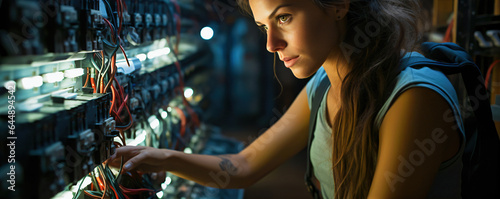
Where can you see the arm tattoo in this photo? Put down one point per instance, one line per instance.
(227, 166)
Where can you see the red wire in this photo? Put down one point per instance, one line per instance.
(488, 74)
(183, 120)
(119, 9)
(111, 28)
(87, 81)
(121, 106)
(90, 195)
(125, 55)
(131, 120)
(100, 183)
(114, 191)
(447, 36)
(113, 97)
(92, 83)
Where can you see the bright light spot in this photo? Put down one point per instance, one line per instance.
(158, 52)
(169, 109)
(206, 33)
(30, 82)
(164, 186)
(153, 122)
(140, 137)
(72, 73)
(168, 180)
(10, 84)
(63, 195)
(84, 183)
(142, 57)
(188, 150)
(164, 114)
(188, 92)
(159, 194)
(53, 77)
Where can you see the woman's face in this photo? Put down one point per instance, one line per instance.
(303, 34)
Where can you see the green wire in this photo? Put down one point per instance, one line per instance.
(78, 191)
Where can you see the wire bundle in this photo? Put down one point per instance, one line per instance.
(105, 185)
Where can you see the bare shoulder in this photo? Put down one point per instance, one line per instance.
(414, 139)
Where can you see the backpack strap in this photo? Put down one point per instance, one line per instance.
(480, 159)
(316, 102)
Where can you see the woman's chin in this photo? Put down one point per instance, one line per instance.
(301, 74)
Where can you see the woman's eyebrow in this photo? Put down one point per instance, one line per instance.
(274, 12)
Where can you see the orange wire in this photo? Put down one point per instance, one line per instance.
(90, 195)
(113, 189)
(105, 184)
(488, 74)
(125, 55)
(113, 97)
(87, 81)
(447, 35)
(93, 84)
(112, 72)
(100, 183)
(183, 120)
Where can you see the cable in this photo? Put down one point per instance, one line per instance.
(78, 190)
(488, 74)
(447, 35)
(87, 80)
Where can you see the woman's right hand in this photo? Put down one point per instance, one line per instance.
(141, 158)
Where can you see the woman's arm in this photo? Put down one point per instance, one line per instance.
(276, 145)
(414, 139)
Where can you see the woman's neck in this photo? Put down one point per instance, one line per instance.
(336, 69)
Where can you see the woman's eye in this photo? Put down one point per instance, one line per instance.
(283, 18)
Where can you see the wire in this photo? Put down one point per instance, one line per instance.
(93, 84)
(87, 80)
(113, 97)
(488, 74)
(447, 35)
(78, 190)
(125, 55)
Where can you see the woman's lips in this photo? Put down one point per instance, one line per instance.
(290, 61)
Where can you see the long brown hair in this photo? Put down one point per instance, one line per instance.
(391, 27)
(378, 33)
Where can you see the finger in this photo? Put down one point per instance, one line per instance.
(117, 162)
(134, 162)
(126, 152)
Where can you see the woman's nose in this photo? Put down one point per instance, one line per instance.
(275, 41)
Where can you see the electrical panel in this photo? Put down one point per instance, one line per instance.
(79, 78)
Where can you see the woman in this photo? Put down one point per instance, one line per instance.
(381, 133)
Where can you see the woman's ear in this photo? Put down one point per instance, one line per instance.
(341, 8)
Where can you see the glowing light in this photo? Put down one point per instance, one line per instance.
(140, 137)
(164, 185)
(188, 150)
(169, 109)
(188, 92)
(164, 114)
(168, 180)
(10, 85)
(63, 195)
(153, 122)
(141, 57)
(85, 182)
(72, 73)
(30, 82)
(207, 33)
(158, 52)
(159, 194)
(53, 77)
